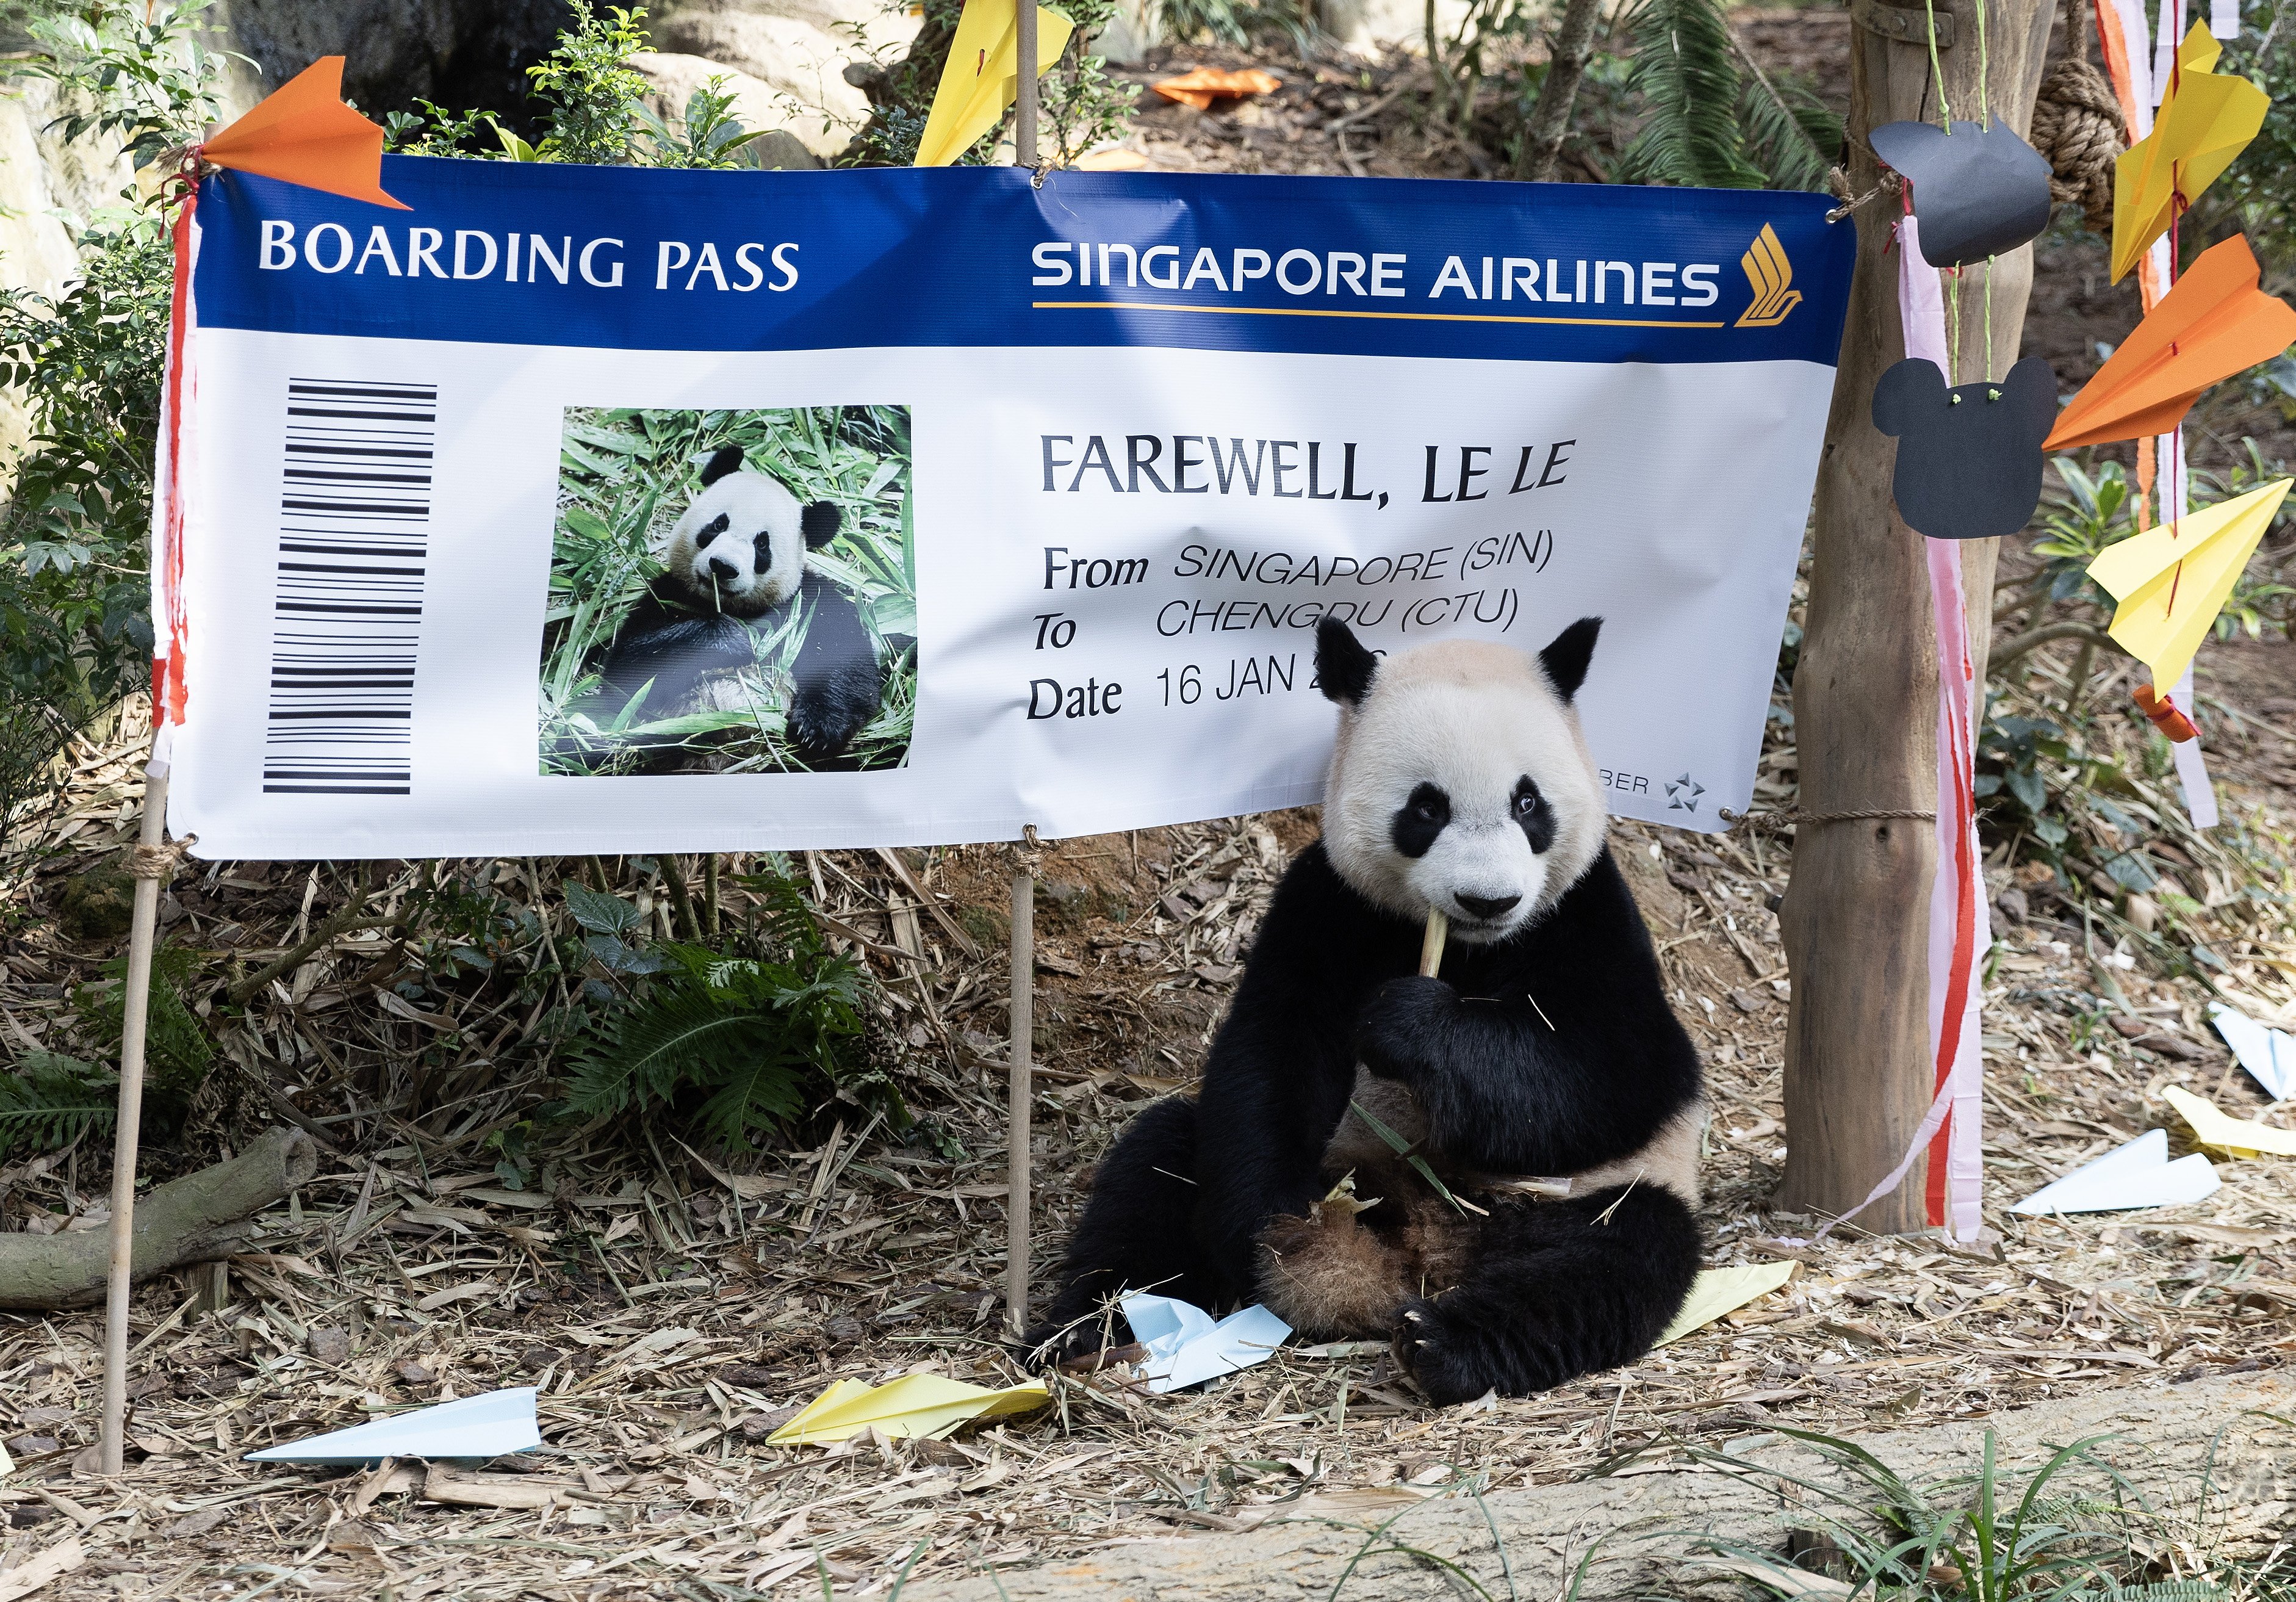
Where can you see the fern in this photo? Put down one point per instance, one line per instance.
(51, 1101)
(1688, 78)
(1786, 134)
(1707, 124)
(761, 1029)
(176, 1052)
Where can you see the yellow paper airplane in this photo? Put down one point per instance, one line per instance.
(915, 1405)
(1719, 1291)
(2205, 121)
(981, 79)
(2241, 1136)
(2172, 579)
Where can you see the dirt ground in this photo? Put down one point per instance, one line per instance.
(672, 1313)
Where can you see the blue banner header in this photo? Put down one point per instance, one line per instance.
(526, 253)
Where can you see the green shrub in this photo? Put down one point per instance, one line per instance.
(51, 1101)
(739, 1041)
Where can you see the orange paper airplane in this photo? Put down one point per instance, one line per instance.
(2214, 324)
(2206, 119)
(304, 133)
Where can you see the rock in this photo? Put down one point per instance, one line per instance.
(757, 1426)
(2014, 905)
(97, 904)
(412, 1372)
(801, 53)
(331, 1346)
(2143, 912)
(457, 53)
(674, 78)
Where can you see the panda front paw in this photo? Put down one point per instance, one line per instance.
(826, 717)
(1393, 1035)
(1444, 1361)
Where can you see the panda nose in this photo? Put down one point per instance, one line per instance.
(1486, 906)
(723, 571)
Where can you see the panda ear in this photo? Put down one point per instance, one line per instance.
(726, 461)
(1566, 657)
(1342, 666)
(820, 522)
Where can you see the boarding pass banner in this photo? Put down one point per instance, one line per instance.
(584, 509)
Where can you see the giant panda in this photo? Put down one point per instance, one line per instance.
(1541, 1073)
(736, 558)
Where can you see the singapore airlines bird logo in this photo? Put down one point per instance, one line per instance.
(1770, 275)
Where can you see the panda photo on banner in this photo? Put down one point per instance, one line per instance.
(731, 592)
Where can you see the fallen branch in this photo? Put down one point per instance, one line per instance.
(196, 1218)
(344, 917)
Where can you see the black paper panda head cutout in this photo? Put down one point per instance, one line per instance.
(1968, 457)
(1977, 191)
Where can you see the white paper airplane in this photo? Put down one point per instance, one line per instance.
(2138, 1174)
(477, 1426)
(2270, 1055)
(1186, 1348)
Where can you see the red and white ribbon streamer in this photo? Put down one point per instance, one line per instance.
(177, 383)
(1960, 932)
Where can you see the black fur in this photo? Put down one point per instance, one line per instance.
(1424, 816)
(1343, 667)
(1332, 980)
(1567, 654)
(728, 458)
(1533, 813)
(1555, 1290)
(819, 523)
(666, 640)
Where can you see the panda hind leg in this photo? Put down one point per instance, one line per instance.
(1135, 1235)
(1552, 1291)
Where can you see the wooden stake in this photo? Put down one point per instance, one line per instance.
(1430, 947)
(1017, 1120)
(1024, 91)
(136, 1012)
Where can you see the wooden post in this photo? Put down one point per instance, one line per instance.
(136, 1005)
(1859, 1071)
(1024, 87)
(1017, 1053)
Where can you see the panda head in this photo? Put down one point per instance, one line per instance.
(1460, 781)
(740, 545)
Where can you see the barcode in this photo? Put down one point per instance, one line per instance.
(354, 531)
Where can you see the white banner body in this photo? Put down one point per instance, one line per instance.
(1072, 473)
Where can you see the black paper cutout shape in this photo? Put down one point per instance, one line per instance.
(1969, 458)
(1978, 191)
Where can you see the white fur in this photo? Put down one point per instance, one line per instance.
(727, 565)
(1472, 719)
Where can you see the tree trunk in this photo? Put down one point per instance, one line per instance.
(1858, 1072)
(1558, 92)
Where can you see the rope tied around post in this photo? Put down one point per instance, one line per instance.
(1778, 823)
(160, 861)
(2078, 126)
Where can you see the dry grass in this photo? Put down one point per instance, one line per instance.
(671, 1312)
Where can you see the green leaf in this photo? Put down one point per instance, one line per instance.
(599, 912)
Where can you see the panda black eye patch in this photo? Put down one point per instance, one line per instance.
(1532, 812)
(1419, 820)
(764, 544)
(709, 531)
